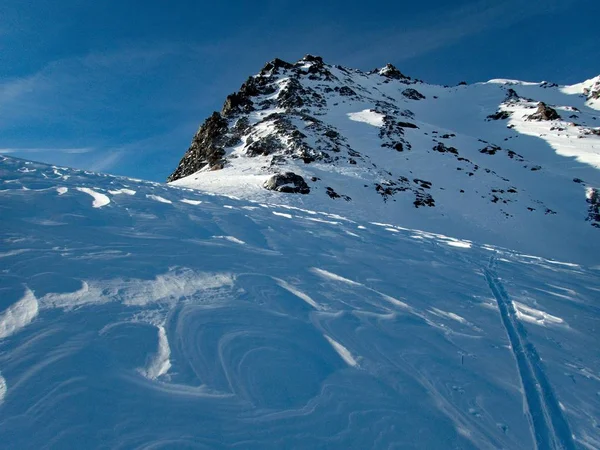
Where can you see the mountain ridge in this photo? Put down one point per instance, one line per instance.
(475, 159)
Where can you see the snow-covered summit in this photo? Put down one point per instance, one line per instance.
(496, 161)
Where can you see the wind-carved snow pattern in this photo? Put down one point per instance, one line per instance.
(308, 330)
(3, 388)
(100, 199)
(159, 364)
(18, 315)
(158, 198)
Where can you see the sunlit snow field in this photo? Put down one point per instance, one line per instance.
(136, 315)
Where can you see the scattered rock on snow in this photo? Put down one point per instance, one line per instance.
(287, 182)
(544, 112)
(412, 94)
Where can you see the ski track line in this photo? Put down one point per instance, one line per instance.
(549, 426)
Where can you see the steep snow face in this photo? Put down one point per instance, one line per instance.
(167, 317)
(475, 161)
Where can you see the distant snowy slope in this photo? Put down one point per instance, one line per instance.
(505, 161)
(138, 315)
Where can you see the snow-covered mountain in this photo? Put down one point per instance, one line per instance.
(141, 315)
(500, 162)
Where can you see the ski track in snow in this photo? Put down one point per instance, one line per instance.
(100, 200)
(549, 427)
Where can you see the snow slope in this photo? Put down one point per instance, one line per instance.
(465, 160)
(169, 318)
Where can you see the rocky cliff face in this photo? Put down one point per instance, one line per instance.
(383, 141)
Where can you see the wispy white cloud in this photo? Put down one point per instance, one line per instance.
(446, 26)
(78, 150)
(106, 161)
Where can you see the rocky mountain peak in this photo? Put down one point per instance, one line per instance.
(367, 139)
(390, 71)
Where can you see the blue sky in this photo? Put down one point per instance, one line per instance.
(121, 86)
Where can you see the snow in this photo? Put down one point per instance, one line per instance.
(297, 293)
(131, 325)
(367, 116)
(280, 214)
(158, 198)
(191, 202)
(18, 315)
(535, 316)
(121, 191)
(159, 364)
(342, 351)
(100, 199)
(332, 276)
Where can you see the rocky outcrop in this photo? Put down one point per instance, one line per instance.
(544, 112)
(412, 94)
(206, 148)
(389, 71)
(499, 115)
(593, 199)
(287, 182)
(593, 93)
(511, 96)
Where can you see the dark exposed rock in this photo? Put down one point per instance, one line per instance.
(264, 146)
(593, 199)
(490, 149)
(287, 182)
(407, 125)
(514, 155)
(423, 183)
(332, 194)
(240, 102)
(235, 103)
(272, 67)
(499, 115)
(544, 112)
(412, 94)
(312, 58)
(423, 199)
(547, 85)
(440, 147)
(206, 149)
(462, 83)
(594, 92)
(345, 91)
(389, 71)
(590, 131)
(511, 96)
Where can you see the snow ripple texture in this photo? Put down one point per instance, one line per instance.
(133, 326)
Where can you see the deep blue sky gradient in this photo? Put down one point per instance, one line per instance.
(121, 86)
